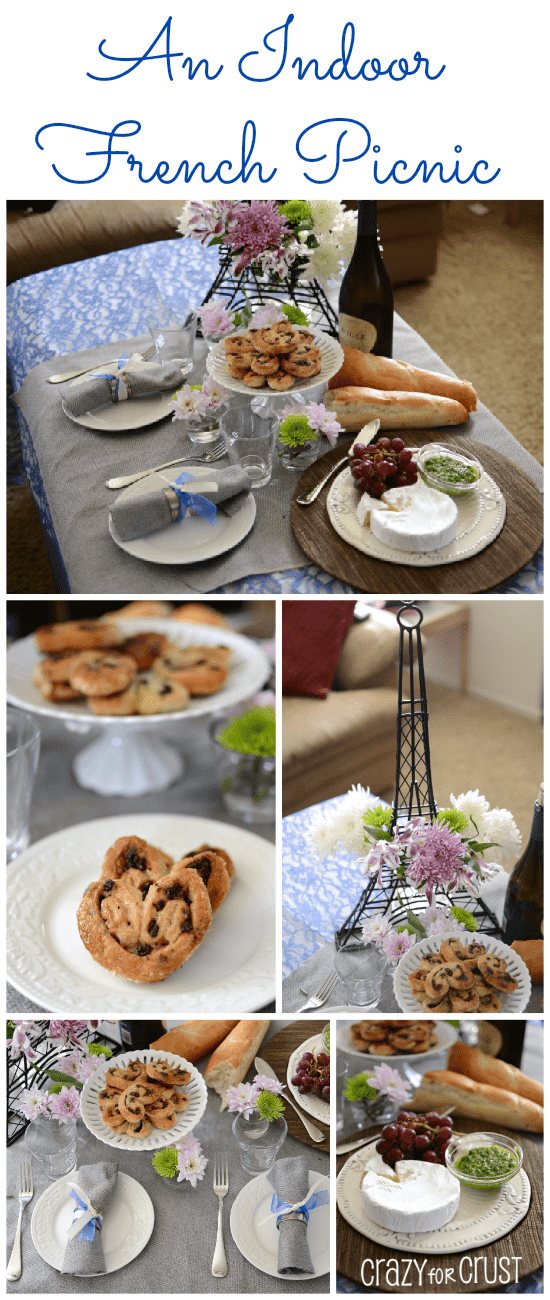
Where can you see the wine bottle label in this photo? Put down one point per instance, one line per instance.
(355, 333)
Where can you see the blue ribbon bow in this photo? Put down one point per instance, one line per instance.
(280, 1208)
(114, 379)
(201, 505)
(93, 1225)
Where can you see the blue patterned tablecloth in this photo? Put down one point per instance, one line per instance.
(107, 298)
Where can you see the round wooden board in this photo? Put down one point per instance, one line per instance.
(523, 1243)
(514, 547)
(277, 1052)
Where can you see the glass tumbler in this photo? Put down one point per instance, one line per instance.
(174, 340)
(52, 1144)
(249, 440)
(23, 749)
(360, 968)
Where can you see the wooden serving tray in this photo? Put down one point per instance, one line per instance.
(277, 1052)
(514, 547)
(524, 1243)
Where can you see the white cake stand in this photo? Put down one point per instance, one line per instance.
(129, 756)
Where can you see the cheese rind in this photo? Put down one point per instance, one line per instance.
(414, 518)
(422, 1198)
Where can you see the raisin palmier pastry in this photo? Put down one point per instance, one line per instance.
(102, 673)
(495, 972)
(464, 999)
(452, 949)
(86, 634)
(202, 670)
(214, 874)
(472, 952)
(209, 848)
(144, 648)
(237, 345)
(57, 692)
(430, 959)
(134, 858)
(145, 934)
(280, 383)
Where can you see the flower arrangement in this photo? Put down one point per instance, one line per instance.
(462, 848)
(252, 732)
(382, 1081)
(199, 400)
(311, 238)
(184, 1161)
(217, 319)
(79, 1060)
(298, 424)
(263, 1095)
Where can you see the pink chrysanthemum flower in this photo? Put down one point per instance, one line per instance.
(256, 228)
(436, 859)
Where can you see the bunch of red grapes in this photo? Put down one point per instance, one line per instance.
(382, 465)
(416, 1137)
(313, 1074)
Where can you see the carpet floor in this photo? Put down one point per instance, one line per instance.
(481, 311)
(475, 744)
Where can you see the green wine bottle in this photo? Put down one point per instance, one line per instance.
(523, 905)
(365, 307)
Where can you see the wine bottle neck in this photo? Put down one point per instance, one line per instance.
(367, 219)
(537, 825)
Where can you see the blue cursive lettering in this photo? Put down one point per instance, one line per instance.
(272, 49)
(426, 172)
(364, 138)
(167, 53)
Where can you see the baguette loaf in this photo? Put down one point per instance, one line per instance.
(531, 952)
(354, 407)
(195, 1038)
(487, 1069)
(440, 1089)
(230, 1062)
(363, 368)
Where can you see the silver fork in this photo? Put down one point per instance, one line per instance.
(127, 479)
(74, 374)
(25, 1195)
(221, 1188)
(323, 992)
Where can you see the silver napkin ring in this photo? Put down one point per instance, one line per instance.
(173, 501)
(293, 1214)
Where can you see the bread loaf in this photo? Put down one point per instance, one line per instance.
(440, 1089)
(531, 952)
(354, 407)
(231, 1060)
(487, 1069)
(194, 1038)
(364, 369)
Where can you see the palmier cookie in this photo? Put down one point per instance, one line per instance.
(163, 1119)
(58, 668)
(163, 1072)
(262, 364)
(303, 362)
(141, 609)
(57, 692)
(452, 949)
(280, 383)
(464, 999)
(209, 848)
(472, 952)
(140, 1128)
(122, 1077)
(495, 976)
(145, 936)
(139, 861)
(204, 676)
(213, 872)
(157, 695)
(277, 339)
(136, 1098)
(238, 367)
(144, 648)
(111, 1114)
(123, 705)
(254, 381)
(179, 1101)
(106, 673)
(85, 634)
(236, 345)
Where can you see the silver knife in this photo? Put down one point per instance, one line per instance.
(314, 1132)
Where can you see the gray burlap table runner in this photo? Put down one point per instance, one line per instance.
(74, 463)
(178, 1257)
(98, 1182)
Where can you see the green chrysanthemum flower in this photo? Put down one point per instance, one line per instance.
(270, 1105)
(251, 733)
(294, 314)
(166, 1162)
(460, 914)
(99, 1049)
(297, 212)
(378, 822)
(294, 430)
(358, 1088)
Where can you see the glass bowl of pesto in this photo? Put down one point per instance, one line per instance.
(483, 1161)
(449, 471)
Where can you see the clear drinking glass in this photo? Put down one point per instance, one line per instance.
(258, 1140)
(52, 1144)
(23, 749)
(360, 968)
(174, 340)
(341, 1080)
(249, 440)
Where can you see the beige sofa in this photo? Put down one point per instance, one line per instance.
(349, 737)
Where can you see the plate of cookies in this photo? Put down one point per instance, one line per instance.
(462, 974)
(384, 1039)
(279, 359)
(132, 670)
(143, 1100)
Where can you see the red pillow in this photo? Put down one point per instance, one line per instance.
(313, 632)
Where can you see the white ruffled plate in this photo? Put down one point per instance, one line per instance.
(128, 1223)
(309, 1101)
(195, 1090)
(191, 539)
(513, 1003)
(446, 1036)
(255, 1233)
(332, 358)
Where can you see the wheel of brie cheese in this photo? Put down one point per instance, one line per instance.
(413, 1197)
(413, 518)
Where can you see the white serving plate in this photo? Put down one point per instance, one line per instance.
(332, 358)
(446, 1036)
(513, 1003)
(195, 1090)
(481, 1217)
(128, 1224)
(255, 1233)
(309, 1101)
(192, 539)
(481, 517)
(233, 967)
(248, 670)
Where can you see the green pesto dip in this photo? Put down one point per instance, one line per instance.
(487, 1162)
(451, 470)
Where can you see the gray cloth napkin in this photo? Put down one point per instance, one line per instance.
(290, 1180)
(136, 381)
(99, 1181)
(138, 516)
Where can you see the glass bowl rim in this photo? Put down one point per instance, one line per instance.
(492, 1139)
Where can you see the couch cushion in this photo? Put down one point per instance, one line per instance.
(75, 229)
(328, 745)
(368, 651)
(312, 636)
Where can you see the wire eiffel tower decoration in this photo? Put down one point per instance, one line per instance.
(413, 797)
(237, 289)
